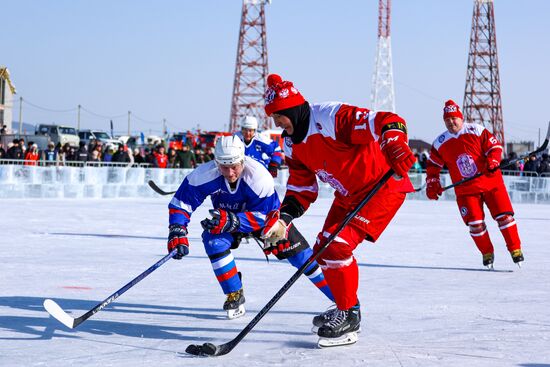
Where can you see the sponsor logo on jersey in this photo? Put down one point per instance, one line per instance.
(229, 206)
(441, 138)
(463, 211)
(466, 165)
(326, 177)
(318, 125)
(360, 127)
(288, 141)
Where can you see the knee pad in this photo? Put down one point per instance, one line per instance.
(505, 220)
(336, 255)
(477, 228)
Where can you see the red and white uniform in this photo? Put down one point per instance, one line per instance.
(342, 149)
(465, 154)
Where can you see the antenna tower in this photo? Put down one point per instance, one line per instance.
(251, 67)
(482, 101)
(383, 96)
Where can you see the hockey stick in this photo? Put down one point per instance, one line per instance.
(420, 188)
(209, 349)
(57, 312)
(158, 190)
(507, 164)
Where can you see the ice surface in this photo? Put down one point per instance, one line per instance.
(425, 298)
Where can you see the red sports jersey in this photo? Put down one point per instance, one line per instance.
(465, 154)
(342, 149)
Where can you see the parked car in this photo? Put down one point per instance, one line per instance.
(102, 136)
(59, 134)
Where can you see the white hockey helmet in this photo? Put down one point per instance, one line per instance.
(229, 150)
(249, 122)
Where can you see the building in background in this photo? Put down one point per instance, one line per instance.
(7, 90)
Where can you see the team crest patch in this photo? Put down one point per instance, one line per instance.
(326, 177)
(463, 211)
(466, 165)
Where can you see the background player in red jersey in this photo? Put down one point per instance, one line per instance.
(350, 148)
(467, 149)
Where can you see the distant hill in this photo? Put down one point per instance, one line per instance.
(27, 127)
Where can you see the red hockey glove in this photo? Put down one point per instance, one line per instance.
(492, 164)
(276, 248)
(177, 238)
(433, 188)
(273, 168)
(395, 148)
(221, 221)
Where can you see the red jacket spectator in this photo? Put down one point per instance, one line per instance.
(161, 158)
(32, 156)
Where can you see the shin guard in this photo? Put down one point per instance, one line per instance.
(478, 231)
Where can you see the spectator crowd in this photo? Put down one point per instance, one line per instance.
(97, 153)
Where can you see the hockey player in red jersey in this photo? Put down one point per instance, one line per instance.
(467, 149)
(350, 148)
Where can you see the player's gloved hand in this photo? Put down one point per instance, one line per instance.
(277, 248)
(433, 188)
(395, 148)
(273, 168)
(275, 230)
(492, 164)
(177, 239)
(221, 221)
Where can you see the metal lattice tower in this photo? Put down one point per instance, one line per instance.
(251, 68)
(482, 101)
(383, 95)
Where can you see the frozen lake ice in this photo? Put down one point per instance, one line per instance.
(426, 299)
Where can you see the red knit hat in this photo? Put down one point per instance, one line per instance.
(280, 95)
(451, 110)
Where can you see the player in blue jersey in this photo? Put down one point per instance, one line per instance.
(260, 147)
(243, 195)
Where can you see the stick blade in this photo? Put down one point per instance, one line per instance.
(207, 350)
(57, 312)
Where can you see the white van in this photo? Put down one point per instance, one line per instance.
(59, 134)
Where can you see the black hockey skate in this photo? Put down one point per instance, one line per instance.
(324, 317)
(234, 304)
(341, 328)
(517, 256)
(488, 260)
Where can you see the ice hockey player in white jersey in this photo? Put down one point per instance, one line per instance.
(243, 195)
(260, 147)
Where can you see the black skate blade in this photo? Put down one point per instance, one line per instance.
(205, 350)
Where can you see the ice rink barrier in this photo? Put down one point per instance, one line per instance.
(19, 181)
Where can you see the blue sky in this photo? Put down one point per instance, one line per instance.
(175, 59)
